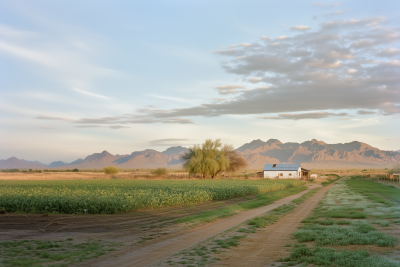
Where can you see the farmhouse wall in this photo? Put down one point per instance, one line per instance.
(286, 174)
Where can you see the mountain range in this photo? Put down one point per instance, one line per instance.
(310, 154)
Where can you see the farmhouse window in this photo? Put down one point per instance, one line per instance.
(290, 174)
(281, 174)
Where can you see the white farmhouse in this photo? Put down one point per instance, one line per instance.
(284, 171)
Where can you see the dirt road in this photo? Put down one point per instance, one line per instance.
(267, 245)
(156, 252)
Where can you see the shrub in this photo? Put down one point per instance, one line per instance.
(110, 170)
(76, 170)
(160, 171)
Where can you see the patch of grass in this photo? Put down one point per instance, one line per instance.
(261, 222)
(359, 233)
(305, 196)
(330, 180)
(262, 199)
(330, 257)
(229, 242)
(374, 191)
(49, 253)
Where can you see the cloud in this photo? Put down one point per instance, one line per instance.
(302, 116)
(42, 117)
(228, 89)
(388, 52)
(255, 80)
(365, 112)
(116, 121)
(170, 142)
(351, 71)
(224, 87)
(91, 94)
(309, 73)
(47, 127)
(300, 28)
(282, 37)
(100, 126)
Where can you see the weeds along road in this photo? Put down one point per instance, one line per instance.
(267, 245)
(156, 252)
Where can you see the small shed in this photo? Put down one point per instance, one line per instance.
(282, 171)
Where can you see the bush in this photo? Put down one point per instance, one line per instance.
(160, 171)
(76, 170)
(110, 170)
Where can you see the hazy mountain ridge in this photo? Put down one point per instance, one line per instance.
(311, 154)
(316, 154)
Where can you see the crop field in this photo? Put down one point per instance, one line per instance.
(115, 196)
(349, 216)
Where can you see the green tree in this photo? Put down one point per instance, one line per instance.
(208, 159)
(160, 171)
(395, 169)
(110, 170)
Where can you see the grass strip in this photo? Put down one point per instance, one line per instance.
(262, 199)
(27, 253)
(330, 180)
(305, 196)
(330, 257)
(374, 191)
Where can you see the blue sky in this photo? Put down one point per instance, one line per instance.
(78, 77)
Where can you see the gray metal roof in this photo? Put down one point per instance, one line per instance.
(281, 167)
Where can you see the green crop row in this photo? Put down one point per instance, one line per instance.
(114, 196)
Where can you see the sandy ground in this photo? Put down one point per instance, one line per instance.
(267, 245)
(154, 252)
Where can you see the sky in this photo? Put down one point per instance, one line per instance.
(80, 77)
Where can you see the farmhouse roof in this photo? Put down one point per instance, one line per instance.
(281, 167)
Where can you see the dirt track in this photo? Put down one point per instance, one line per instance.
(155, 252)
(267, 245)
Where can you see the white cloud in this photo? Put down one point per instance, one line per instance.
(223, 87)
(255, 80)
(351, 71)
(300, 27)
(91, 94)
(282, 37)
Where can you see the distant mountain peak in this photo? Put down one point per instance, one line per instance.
(273, 141)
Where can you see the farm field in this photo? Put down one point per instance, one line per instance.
(116, 196)
(133, 229)
(356, 219)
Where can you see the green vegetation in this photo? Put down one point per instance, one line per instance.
(330, 180)
(261, 200)
(110, 170)
(376, 192)
(114, 196)
(211, 158)
(330, 257)
(343, 218)
(160, 171)
(395, 169)
(42, 253)
(305, 196)
(205, 252)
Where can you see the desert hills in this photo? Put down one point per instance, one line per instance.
(310, 154)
